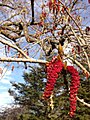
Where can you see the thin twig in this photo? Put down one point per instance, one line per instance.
(78, 39)
(83, 40)
(78, 63)
(1, 4)
(82, 101)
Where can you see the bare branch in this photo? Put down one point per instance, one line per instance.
(74, 21)
(15, 47)
(1, 4)
(31, 60)
(82, 101)
(81, 66)
(81, 44)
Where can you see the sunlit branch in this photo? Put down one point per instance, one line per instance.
(78, 39)
(82, 101)
(31, 60)
(14, 46)
(74, 21)
(81, 66)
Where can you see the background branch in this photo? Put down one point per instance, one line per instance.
(82, 101)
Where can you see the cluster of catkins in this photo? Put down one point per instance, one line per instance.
(53, 68)
(54, 5)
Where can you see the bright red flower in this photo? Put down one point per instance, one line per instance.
(53, 68)
(75, 82)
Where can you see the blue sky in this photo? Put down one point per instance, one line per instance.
(7, 76)
(15, 75)
(10, 76)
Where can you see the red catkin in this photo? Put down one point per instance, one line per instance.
(53, 68)
(75, 82)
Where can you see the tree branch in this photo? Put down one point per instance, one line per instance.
(31, 60)
(1, 4)
(83, 40)
(81, 44)
(15, 47)
(83, 68)
(82, 101)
